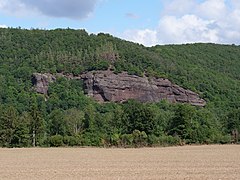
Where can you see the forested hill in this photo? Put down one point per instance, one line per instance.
(68, 117)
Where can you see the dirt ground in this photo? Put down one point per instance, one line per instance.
(187, 162)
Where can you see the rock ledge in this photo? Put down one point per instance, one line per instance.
(106, 86)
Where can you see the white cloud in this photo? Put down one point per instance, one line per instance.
(147, 37)
(14, 7)
(186, 29)
(178, 7)
(214, 9)
(75, 9)
(188, 21)
(235, 3)
(3, 26)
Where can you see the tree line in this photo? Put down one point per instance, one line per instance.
(69, 118)
(66, 117)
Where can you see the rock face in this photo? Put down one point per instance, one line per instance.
(107, 86)
(41, 82)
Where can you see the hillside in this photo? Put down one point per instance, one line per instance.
(68, 117)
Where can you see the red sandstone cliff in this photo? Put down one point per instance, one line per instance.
(106, 86)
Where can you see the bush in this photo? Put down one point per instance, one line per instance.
(56, 141)
(70, 140)
(164, 140)
(170, 140)
(139, 138)
(115, 139)
(222, 139)
(153, 140)
(126, 140)
(225, 139)
(92, 139)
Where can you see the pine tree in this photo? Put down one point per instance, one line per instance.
(37, 125)
(8, 121)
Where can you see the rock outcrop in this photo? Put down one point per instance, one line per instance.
(41, 82)
(106, 86)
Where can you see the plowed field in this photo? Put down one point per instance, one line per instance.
(187, 162)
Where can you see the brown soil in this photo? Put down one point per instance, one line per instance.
(187, 162)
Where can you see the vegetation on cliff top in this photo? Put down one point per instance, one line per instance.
(68, 117)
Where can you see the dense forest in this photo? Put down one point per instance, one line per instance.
(67, 117)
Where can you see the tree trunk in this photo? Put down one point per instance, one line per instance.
(34, 139)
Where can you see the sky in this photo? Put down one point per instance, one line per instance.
(148, 22)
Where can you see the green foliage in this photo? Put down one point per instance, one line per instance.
(67, 117)
(56, 140)
(233, 120)
(22, 137)
(139, 138)
(233, 124)
(71, 140)
(164, 140)
(115, 139)
(138, 117)
(57, 123)
(8, 125)
(127, 140)
(74, 120)
(192, 125)
(101, 65)
(37, 125)
(183, 124)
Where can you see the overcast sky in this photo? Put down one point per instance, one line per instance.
(148, 22)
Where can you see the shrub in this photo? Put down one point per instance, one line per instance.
(170, 140)
(139, 138)
(222, 139)
(70, 140)
(115, 139)
(56, 141)
(164, 140)
(126, 140)
(92, 139)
